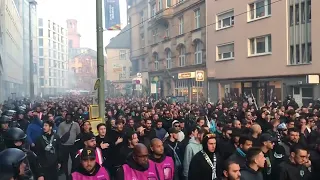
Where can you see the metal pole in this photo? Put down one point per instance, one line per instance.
(31, 51)
(100, 60)
(197, 91)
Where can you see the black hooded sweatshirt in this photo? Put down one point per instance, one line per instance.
(199, 167)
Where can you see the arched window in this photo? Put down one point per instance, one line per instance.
(182, 56)
(168, 58)
(198, 53)
(156, 61)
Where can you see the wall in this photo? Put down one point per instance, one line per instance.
(114, 59)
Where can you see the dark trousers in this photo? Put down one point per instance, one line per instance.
(66, 151)
(50, 172)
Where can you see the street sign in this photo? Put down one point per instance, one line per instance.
(199, 75)
(97, 84)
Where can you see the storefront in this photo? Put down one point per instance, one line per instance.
(190, 84)
(303, 88)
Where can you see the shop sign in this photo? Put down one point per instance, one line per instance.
(199, 75)
(186, 75)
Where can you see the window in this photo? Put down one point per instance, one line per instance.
(225, 20)
(291, 15)
(167, 31)
(297, 54)
(122, 54)
(198, 53)
(181, 22)
(49, 33)
(182, 56)
(159, 4)
(226, 51)
(40, 22)
(309, 10)
(292, 55)
(155, 34)
(40, 61)
(197, 18)
(168, 3)
(309, 53)
(260, 45)
(41, 32)
(156, 62)
(303, 14)
(40, 42)
(41, 82)
(153, 10)
(297, 13)
(141, 17)
(303, 53)
(259, 9)
(40, 51)
(168, 59)
(41, 72)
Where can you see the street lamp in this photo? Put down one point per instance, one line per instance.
(31, 3)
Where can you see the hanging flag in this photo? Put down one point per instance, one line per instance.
(112, 15)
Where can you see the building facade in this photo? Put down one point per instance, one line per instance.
(177, 48)
(248, 55)
(138, 12)
(119, 67)
(12, 50)
(53, 57)
(84, 68)
(26, 7)
(73, 36)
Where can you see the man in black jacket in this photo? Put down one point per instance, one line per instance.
(47, 147)
(255, 161)
(297, 167)
(240, 155)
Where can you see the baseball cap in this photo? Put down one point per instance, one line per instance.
(173, 130)
(88, 153)
(267, 137)
(88, 136)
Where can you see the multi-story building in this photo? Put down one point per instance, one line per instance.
(53, 57)
(118, 62)
(73, 37)
(84, 67)
(138, 12)
(11, 43)
(263, 48)
(177, 47)
(28, 17)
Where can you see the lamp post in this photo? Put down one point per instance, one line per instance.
(31, 3)
(100, 58)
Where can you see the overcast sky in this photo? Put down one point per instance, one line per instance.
(82, 10)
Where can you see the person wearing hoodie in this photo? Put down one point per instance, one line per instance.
(89, 169)
(176, 125)
(207, 164)
(34, 131)
(192, 149)
(255, 161)
(138, 166)
(164, 164)
(240, 155)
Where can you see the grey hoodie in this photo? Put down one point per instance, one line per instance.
(192, 149)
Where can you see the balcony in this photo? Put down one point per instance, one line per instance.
(161, 17)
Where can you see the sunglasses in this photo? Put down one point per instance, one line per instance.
(176, 126)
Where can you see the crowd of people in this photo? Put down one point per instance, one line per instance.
(147, 139)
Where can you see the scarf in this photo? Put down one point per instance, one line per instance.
(241, 152)
(48, 143)
(212, 163)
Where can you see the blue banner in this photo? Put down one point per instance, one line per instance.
(112, 14)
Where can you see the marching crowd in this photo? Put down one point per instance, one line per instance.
(147, 139)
